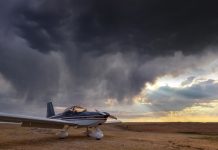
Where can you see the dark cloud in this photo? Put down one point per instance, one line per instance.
(34, 76)
(153, 27)
(91, 50)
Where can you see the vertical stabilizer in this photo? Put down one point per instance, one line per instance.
(50, 110)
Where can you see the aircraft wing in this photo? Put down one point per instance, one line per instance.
(29, 121)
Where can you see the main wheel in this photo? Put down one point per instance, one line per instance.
(62, 134)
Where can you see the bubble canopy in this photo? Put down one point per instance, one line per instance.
(75, 109)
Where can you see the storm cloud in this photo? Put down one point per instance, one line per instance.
(148, 27)
(84, 52)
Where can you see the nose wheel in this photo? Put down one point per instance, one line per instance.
(95, 133)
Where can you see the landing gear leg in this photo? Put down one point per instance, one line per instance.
(87, 131)
(63, 133)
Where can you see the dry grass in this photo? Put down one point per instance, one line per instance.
(132, 136)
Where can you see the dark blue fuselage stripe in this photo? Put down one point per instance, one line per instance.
(80, 117)
(83, 119)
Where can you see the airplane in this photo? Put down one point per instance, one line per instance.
(74, 116)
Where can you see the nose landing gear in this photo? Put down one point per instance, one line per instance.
(95, 133)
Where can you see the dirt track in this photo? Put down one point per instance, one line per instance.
(133, 136)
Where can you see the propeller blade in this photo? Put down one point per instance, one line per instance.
(113, 117)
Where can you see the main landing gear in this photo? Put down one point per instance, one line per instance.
(63, 133)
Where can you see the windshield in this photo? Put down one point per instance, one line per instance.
(75, 109)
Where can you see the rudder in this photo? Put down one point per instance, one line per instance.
(50, 110)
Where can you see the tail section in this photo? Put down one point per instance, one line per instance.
(50, 110)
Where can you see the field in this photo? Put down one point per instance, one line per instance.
(125, 136)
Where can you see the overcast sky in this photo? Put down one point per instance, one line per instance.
(155, 57)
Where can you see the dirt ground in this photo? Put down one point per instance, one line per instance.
(126, 136)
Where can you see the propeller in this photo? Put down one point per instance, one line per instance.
(104, 113)
(113, 117)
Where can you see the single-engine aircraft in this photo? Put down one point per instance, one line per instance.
(74, 116)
